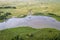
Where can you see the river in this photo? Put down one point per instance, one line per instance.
(32, 21)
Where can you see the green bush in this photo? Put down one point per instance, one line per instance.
(4, 16)
(7, 7)
(38, 13)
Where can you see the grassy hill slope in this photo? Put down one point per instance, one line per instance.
(28, 33)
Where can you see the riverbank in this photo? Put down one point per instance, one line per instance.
(48, 14)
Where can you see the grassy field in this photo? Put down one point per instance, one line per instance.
(23, 9)
(43, 8)
(28, 33)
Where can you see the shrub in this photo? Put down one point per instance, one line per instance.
(38, 13)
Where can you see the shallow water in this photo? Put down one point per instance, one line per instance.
(32, 21)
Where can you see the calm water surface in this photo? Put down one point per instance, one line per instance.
(32, 21)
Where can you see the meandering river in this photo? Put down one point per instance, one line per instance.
(32, 21)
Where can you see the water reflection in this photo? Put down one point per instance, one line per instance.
(33, 21)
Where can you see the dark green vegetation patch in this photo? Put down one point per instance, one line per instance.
(4, 16)
(7, 7)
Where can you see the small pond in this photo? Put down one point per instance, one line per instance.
(32, 21)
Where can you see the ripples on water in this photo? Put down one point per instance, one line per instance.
(33, 21)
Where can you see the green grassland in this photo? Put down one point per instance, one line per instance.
(28, 33)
